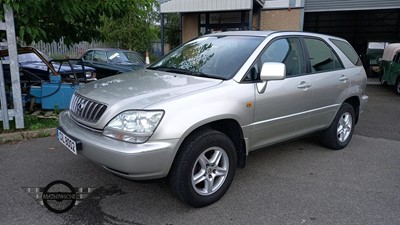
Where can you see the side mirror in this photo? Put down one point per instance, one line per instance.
(270, 71)
(273, 71)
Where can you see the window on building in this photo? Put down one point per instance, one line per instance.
(214, 22)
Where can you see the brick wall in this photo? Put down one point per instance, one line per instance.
(190, 26)
(282, 19)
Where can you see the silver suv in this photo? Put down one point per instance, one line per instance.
(194, 115)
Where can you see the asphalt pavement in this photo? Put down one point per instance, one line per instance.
(298, 182)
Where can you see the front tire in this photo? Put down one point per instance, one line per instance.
(339, 133)
(204, 168)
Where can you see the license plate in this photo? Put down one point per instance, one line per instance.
(71, 143)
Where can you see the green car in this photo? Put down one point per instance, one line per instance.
(373, 57)
(390, 66)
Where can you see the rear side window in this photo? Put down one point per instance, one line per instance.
(348, 51)
(322, 58)
(397, 57)
(100, 56)
(88, 56)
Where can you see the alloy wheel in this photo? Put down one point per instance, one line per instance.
(344, 127)
(210, 171)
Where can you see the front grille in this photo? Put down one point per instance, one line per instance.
(86, 109)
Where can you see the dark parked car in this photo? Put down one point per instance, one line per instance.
(108, 61)
(36, 67)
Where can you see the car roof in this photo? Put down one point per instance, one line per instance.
(265, 33)
(110, 49)
(242, 33)
(390, 51)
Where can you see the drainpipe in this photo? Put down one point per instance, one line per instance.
(162, 34)
(251, 19)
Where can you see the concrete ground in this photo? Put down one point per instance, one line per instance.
(298, 182)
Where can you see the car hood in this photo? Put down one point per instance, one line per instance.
(142, 88)
(126, 67)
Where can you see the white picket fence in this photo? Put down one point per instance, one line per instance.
(57, 49)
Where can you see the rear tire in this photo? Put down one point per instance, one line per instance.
(339, 133)
(382, 81)
(397, 86)
(204, 168)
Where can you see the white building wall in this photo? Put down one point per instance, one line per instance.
(283, 4)
(205, 5)
(345, 5)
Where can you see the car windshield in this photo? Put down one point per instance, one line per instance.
(119, 57)
(377, 45)
(28, 57)
(211, 56)
(134, 58)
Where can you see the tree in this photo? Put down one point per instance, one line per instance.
(75, 20)
(172, 32)
(135, 30)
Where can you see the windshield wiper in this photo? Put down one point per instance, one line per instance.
(172, 70)
(183, 71)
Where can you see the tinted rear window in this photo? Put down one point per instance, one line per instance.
(348, 51)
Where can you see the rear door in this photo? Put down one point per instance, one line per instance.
(330, 81)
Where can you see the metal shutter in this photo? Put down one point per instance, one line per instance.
(346, 5)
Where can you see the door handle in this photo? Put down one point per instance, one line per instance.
(304, 85)
(343, 78)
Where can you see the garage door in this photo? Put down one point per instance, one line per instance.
(346, 5)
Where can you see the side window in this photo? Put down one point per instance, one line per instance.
(88, 56)
(322, 58)
(100, 56)
(349, 51)
(396, 58)
(287, 51)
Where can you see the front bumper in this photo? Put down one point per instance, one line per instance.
(149, 160)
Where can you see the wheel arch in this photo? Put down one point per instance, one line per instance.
(355, 103)
(229, 127)
(397, 84)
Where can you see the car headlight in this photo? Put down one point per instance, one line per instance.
(90, 74)
(133, 126)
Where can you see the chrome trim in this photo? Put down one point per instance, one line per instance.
(295, 114)
(85, 109)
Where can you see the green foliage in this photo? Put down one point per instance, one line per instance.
(76, 20)
(171, 27)
(171, 31)
(135, 30)
(32, 123)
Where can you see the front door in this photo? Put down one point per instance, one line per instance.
(282, 111)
